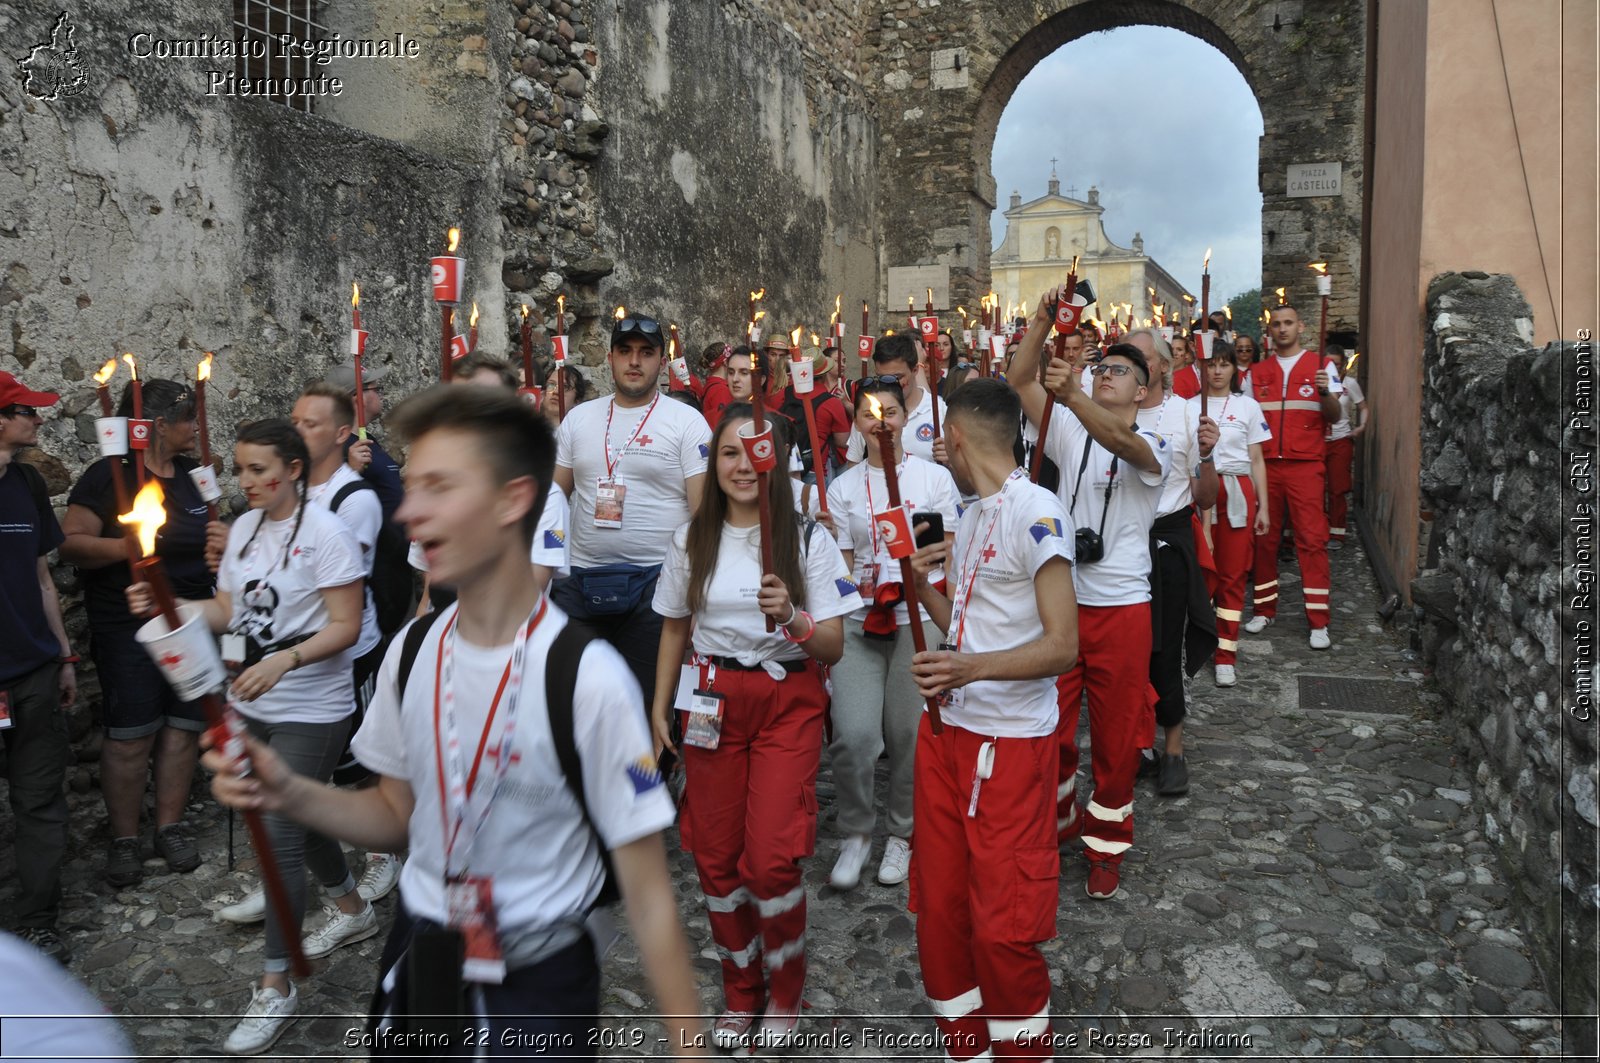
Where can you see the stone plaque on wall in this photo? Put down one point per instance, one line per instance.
(1307, 179)
(915, 282)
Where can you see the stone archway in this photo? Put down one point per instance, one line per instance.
(949, 70)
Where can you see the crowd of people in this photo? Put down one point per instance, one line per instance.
(624, 622)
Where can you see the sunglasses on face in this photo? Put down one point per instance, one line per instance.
(21, 411)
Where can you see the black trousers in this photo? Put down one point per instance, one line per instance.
(1166, 662)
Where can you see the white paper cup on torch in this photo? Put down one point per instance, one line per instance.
(761, 451)
(112, 435)
(205, 482)
(1324, 284)
(358, 342)
(187, 657)
(679, 368)
(1166, 333)
(801, 377)
(446, 271)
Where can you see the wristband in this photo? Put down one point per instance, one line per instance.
(295, 653)
(68, 658)
(793, 612)
(811, 628)
(1206, 460)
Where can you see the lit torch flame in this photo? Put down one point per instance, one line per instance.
(1227, 312)
(1320, 267)
(794, 340)
(524, 308)
(1283, 300)
(759, 315)
(561, 304)
(1205, 267)
(1354, 358)
(147, 516)
(106, 372)
(816, 341)
(473, 320)
(454, 236)
(874, 406)
(203, 370)
(355, 294)
(133, 367)
(756, 297)
(622, 312)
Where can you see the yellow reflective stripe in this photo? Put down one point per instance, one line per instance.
(1099, 811)
(1229, 614)
(1313, 605)
(1316, 590)
(958, 1005)
(1016, 1029)
(1264, 586)
(1100, 845)
(1228, 644)
(1269, 598)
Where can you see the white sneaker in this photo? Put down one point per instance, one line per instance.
(895, 867)
(264, 1022)
(252, 909)
(383, 871)
(1225, 676)
(852, 858)
(342, 929)
(1257, 624)
(1320, 639)
(778, 1032)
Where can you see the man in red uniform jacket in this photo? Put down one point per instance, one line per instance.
(1299, 396)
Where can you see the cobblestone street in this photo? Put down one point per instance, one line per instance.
(1325, 888)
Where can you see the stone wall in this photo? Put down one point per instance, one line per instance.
(1494, 613)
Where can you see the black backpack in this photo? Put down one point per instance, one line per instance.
(560, 685)
(392, 584)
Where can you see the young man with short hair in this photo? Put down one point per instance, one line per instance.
(897, 356)
(506, 862)
(37, 679)
(368, 457)
(1299, 394)
(985, 873)
(632, 469)
(1111, 477)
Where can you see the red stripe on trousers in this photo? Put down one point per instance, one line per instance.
(750, 814)
(1233, 548)
(1339, 465)
(1114, 666)
(1296, 488)
(985, 886)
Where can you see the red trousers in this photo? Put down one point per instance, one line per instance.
(749, 816)
(1340, 463)
(1114, 665)
(1295, 488)
(1233, 548)
(984, 887)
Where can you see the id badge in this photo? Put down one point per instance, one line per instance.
(5, 709)
(868, 584)
(470, 902)
(608, 500)
(705, 721)
(233, 648)
(951, 699)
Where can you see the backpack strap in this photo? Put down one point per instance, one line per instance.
(410, 646)
(560, 687)
(346, 491)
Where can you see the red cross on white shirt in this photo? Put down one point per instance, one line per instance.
(988, 554)
(644, 441)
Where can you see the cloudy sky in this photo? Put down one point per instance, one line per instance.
(1141, 90)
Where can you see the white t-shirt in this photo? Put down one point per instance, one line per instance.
(535, 843)
(915, 438)
(1349, 399)
(1177, 423)
(274, 601)
(1122, 576)
(650, 458)
(1001, 543)
(549, 537)
(362, 513)
(49, 1015)
(730, 624)
(860, 490)
(1240, 423)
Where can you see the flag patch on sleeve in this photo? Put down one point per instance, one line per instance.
(1045, 526)
(554, 539)
(705, 450)
(846, 588)
(644, 775)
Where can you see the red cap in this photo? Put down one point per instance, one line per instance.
(12, 393)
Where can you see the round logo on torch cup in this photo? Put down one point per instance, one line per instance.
(758, 448)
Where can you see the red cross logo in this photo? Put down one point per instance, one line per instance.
(644, 441)
(295, 552)
(516, 757)
(109, 433)
(988, 554)
(172, 660)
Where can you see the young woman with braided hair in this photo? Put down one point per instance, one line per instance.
(288, 604)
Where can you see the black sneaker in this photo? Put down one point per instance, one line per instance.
(46, 941)
(1149, 764)
(177, 848)
(124, 864)
(1174, 779)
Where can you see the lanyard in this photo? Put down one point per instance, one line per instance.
(958, 608)
(455, 786)
(612, 463)
(872, 510)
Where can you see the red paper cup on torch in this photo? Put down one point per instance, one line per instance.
(894, 530)
(460, 347)
(139, 433)
(558, 349)
(864, 347)
(1069, 312)
(532, 395)
(760, 449)
(446, 271)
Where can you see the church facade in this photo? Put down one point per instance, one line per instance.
(1043, 234)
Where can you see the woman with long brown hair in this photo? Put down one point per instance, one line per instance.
(752, 736)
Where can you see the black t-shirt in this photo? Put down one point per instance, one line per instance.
(28, 531)
(181, 542)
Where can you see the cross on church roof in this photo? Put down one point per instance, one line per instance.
(1052, 166)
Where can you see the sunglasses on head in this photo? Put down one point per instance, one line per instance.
(966, 365)
(638, 324)
(874, 381)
